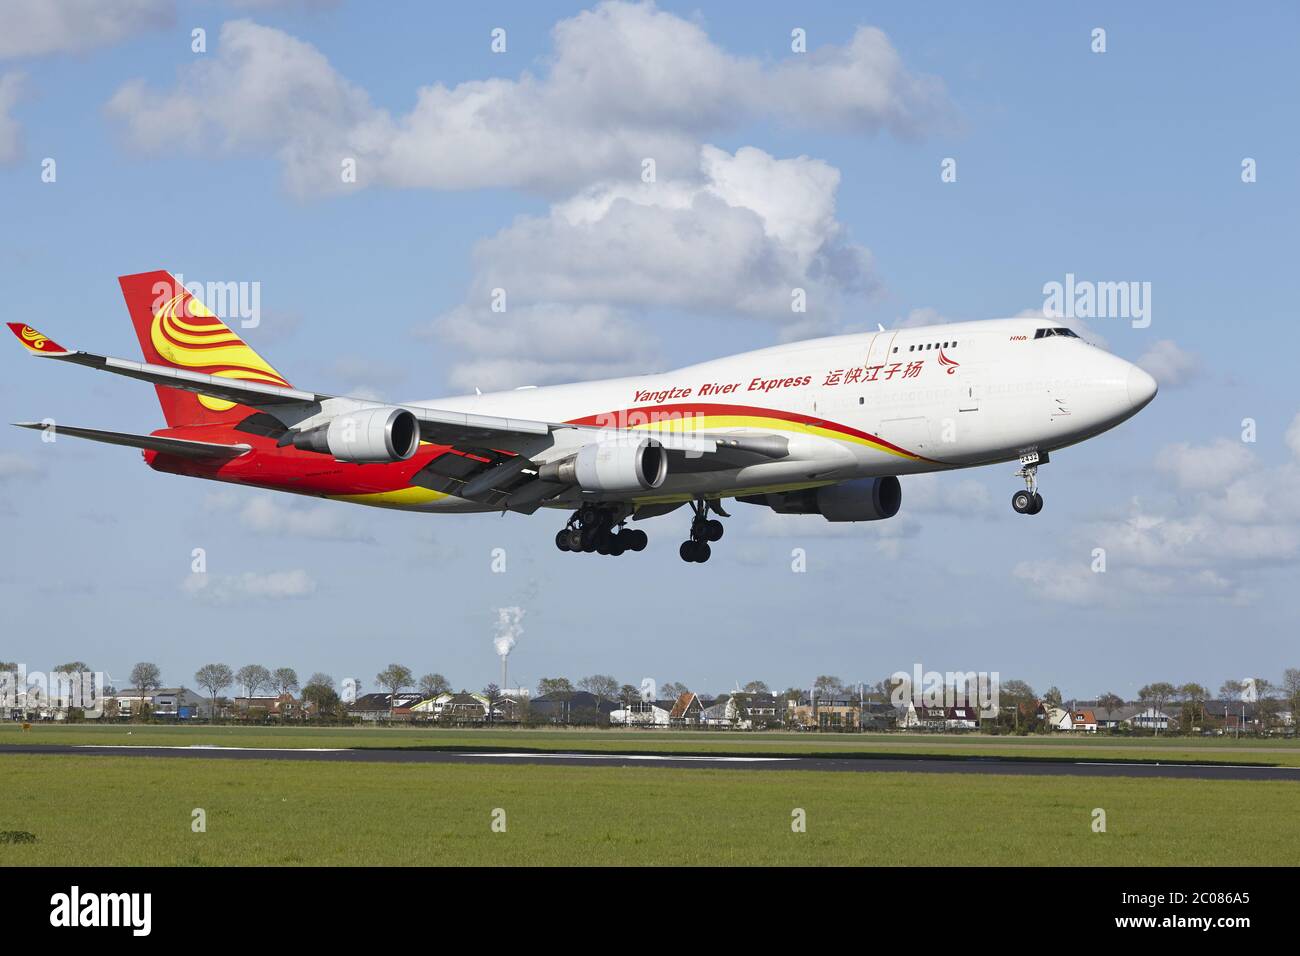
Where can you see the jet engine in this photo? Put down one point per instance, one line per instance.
(368, 435)
(862, 499)
(612, 466)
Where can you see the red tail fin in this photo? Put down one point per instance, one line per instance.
(177, 330)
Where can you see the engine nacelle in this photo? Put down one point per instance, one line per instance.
(367, 435)
(612, 466)
(862, 499)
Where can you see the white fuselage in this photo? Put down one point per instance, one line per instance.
(872, 404)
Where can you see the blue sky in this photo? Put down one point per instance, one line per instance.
(1123, 165)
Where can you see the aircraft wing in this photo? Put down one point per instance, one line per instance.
(462, 430)
(171, 446)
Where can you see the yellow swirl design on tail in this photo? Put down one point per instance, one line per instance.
(187, 334)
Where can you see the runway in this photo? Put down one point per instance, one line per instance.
(975, 765)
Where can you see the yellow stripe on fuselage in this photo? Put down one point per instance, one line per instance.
(718, 422)
(402, 498)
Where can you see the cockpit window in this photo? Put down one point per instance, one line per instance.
(1044, 333)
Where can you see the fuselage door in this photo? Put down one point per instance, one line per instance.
(881, 349)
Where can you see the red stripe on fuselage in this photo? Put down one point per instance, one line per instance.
(751, 411)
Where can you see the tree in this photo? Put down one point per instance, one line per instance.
(285, 680)
(1156, 695)
(432, 685)
(1195, 696)
(493, 694)
(627, 695)
(559, 686)
(1052, 698)
(602, 686)
(392, 679)
(147, 678)
(252, 677)
(1291, 688)
(757, 687)
(1266, 703)
(671, 691)
(1019, 697)
(319, 692)
(828, 687)
(214, 678)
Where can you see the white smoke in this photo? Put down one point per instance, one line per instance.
(508, 629)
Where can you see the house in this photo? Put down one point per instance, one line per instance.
(1151, 718)
(270, 705)
(961, 718)
(922, 717)
(1084, 721)
(761, 710)
(825, 713)
(726, 712)
(381, 706)
(575, 707)
(1058, 718)
(687, 711)
(642, 713)
(179, 702)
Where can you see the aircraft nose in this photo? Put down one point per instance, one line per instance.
(1141, 387)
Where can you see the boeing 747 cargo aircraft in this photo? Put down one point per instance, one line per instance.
(820, 427)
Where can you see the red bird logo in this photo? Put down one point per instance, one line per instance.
(948, 363)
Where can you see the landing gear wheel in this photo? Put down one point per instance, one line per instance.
(636, 540)
(617, 544)
(687, 551)
(562, 539)
(713, 530)
(1037, 504)
(702, 552)
(1021, 502)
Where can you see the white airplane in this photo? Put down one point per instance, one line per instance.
(817, 427)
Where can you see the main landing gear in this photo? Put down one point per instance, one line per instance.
(599, 530)
(1029, 501)
(703, 530)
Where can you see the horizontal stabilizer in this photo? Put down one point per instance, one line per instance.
(168, 446)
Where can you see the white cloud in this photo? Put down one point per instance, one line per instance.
(921, 317)
(1229, 518)
(1205, 467)
(625, 81)
(1293, 437)
(945, 494)
(38, 27)
(737, 241)
(1169, 364)
(282, 516)
(11, 85)
(14, 465)
(541, 344)
(249, 586)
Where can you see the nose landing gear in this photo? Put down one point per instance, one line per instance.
(703, 531)
(599, 530)
(1029, 501)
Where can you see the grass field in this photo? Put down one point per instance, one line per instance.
(1094, 747)
(125, 811)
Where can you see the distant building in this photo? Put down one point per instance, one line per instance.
(577, 707)
(382, 706)
(641, 713)
(179, 702)
(687, 711)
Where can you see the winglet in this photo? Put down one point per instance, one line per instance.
(36, 342)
